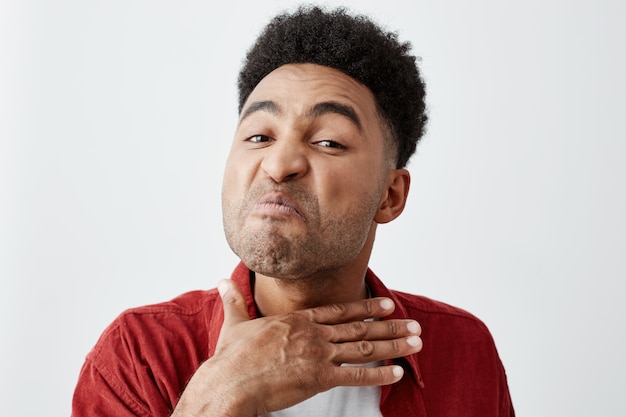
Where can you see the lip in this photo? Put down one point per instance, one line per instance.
(278, 203)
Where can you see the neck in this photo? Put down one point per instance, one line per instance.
(277, 296)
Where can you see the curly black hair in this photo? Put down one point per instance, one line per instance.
(359, 48)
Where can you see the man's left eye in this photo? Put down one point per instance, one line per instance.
(258, 139)
(330, 144)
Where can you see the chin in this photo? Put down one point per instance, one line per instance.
(274, 268)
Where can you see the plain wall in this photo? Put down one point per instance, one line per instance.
(116, 118)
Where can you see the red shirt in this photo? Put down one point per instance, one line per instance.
(143, 360)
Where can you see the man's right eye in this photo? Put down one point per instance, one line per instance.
(258, 139)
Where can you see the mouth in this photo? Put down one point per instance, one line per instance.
(277, 204)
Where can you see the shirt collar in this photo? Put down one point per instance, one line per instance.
(215, 316)
(241, 276)
(378, 289)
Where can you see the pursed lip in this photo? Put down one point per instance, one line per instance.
(278, 203)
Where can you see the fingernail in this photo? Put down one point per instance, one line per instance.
(398, 371)
(386, 304)
(413, 341)
(222, 287)
(413, 327)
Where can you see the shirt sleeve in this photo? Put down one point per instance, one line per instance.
(121, 376)
(97, 395)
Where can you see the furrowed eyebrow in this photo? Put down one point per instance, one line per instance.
(317, 110)
(336, 108)
(267, 106)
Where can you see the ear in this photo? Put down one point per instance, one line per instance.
(394, 195)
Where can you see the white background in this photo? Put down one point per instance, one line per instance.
(116, 118)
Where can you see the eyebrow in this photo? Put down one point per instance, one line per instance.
(317, 110)
(268, 106)
(336, 108)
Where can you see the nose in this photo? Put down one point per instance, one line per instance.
(285, 161)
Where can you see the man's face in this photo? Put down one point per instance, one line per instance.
(306, 172)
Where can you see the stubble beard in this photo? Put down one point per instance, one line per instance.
(265, 247)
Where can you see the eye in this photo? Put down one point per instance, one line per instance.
(258, 139)
(330, 144)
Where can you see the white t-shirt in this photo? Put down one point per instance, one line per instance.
(337, 402)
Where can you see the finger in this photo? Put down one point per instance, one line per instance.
(373, 330)
(363, 376)
(235, 307)
(365, 351)
(347, 312)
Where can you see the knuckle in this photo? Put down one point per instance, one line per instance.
(380, 374)
(291, 318)
(368, 306)
(395, 346)
(358, 375)
(339, 309)
(359, 329)
(393, 327)
(366, 348)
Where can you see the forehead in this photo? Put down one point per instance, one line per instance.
(298, 87)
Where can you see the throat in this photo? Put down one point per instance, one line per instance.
(284, 295)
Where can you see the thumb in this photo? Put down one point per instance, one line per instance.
(235, 307)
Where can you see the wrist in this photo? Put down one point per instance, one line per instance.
(212, 392)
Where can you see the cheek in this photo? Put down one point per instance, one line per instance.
(345, 191)
(238, 174)
(228, 181)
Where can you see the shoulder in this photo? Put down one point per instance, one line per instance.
(442, 319)
(188, 304)
(187, 307)
(458, 356)
(143, 359)
(422, 304)
(163, 327)
(431, 313)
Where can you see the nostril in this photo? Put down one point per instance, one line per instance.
(283, 164)
(291, 176)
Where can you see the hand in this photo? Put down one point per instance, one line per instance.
(274, 362)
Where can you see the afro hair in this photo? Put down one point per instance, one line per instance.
(356, 46)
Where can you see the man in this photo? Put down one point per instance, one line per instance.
(331, 108)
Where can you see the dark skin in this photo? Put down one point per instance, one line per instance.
(306, 348)
(307, 181)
